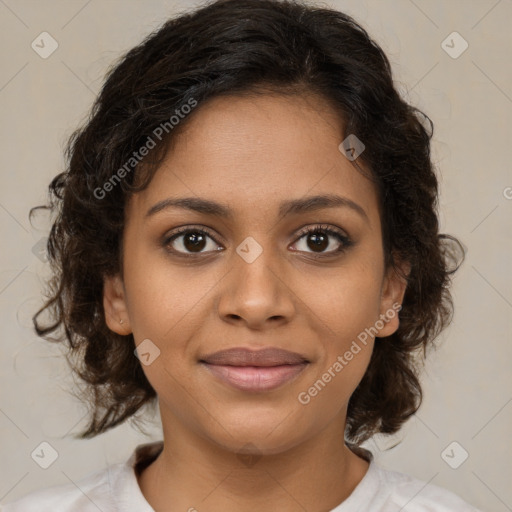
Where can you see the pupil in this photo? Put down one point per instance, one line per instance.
(194, 241)
(320, 241)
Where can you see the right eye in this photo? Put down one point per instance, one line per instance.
(190, 241)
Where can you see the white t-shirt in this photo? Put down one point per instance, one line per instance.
(115, 489)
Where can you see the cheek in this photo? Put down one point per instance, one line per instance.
(346, 348)
(345, 301)
(346, 309)
(165, 300)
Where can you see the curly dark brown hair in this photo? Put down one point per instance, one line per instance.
(237, 47)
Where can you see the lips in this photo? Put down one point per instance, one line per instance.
(244, 357)
(254, 371)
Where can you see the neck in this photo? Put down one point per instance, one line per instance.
(193, 473)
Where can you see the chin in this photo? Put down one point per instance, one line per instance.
(258, 433)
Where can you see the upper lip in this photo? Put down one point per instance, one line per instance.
(241, 356)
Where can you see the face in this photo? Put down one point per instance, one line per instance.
(279, 246)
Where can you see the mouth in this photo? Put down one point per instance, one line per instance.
(255, 371)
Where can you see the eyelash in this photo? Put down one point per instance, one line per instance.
(344, 240)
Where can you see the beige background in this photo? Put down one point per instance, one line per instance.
(468, 383)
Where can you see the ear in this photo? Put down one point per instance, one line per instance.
(114, 304)
(392, 296)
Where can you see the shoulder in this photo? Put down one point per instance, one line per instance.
(109, 490)
(87, 495)
(419, 496)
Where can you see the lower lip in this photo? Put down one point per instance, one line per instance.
(256, 378)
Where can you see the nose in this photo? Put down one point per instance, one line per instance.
(256, 293)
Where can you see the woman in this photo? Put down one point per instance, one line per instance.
(247, 233)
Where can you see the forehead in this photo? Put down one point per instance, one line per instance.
(255, 152)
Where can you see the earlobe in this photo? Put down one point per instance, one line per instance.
(114, 304)
(392, 296)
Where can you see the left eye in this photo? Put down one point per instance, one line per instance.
(319, 239)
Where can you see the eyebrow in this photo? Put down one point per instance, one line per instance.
(290, 207)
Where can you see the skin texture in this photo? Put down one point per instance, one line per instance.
(251, 154)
